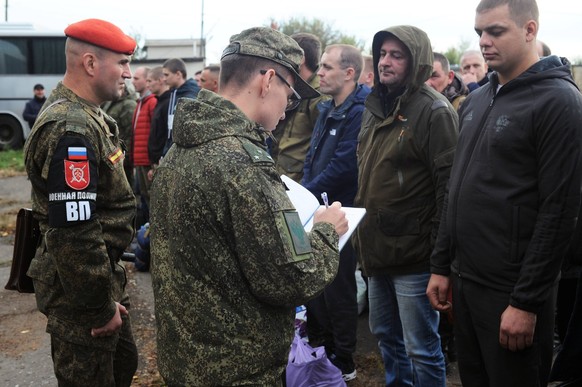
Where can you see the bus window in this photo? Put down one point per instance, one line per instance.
(48, 56)
(32, 56)
(27, 56)
(12, 57)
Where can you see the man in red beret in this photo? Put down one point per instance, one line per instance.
(86, 210)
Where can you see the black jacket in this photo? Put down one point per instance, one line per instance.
(31, 110)
(159, 128)
(515, 184)
(189, 89)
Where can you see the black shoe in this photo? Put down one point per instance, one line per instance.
(346, 366)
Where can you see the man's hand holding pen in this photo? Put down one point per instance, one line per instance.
(324, 198)
(332, 214)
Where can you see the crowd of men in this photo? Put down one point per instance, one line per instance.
(471, 183)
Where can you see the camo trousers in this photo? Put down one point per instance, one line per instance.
(78, 365)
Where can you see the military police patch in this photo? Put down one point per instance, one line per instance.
(77, 174)
(72, 182)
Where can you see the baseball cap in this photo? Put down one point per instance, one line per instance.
(103, 34)
(38, 86)
(267, 43)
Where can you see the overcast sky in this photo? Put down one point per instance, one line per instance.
(447, 23)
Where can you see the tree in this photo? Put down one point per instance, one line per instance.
(454, 53)
(325, 32)
(139, 38)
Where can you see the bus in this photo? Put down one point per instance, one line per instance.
(28, 56)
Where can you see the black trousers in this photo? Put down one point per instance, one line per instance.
(568, 363)
(482, 361)
(332, 316)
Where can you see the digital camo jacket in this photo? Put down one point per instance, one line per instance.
(86, 209)
(230, 258)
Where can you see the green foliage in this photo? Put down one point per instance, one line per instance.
(11, 162)
(139, 38)
(325, 32)
(454, 53)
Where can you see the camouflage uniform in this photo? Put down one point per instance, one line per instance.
(293, 135)
(122, 112)
(86, 210)
(230, 258)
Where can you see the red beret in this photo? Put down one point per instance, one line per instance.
(103, 34)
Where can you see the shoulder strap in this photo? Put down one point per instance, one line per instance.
(60, 100)
(76, 120)
(30, 145)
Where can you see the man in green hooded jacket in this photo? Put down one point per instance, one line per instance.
(407, 140)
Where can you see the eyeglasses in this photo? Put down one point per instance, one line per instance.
(292, 101)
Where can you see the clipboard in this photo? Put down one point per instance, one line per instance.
(307, 204)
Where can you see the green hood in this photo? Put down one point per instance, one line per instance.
(418, 43)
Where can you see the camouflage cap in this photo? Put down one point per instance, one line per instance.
(264, 42)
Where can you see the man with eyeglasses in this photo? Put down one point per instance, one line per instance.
(230, 257)
(331, 166)
(407, 141)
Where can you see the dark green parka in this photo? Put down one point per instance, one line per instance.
(404, 158)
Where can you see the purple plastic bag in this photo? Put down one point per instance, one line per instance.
(310, 367)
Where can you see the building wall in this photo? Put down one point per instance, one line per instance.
(191, 65)
(173, 48)
(159, 50)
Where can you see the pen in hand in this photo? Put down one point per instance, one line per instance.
(324, 198)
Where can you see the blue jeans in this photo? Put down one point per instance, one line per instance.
(406, 326)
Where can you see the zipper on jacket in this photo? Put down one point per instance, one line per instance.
(400, 136)
(399, 170)
(473, 144)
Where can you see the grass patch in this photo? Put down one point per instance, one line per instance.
(11, 162)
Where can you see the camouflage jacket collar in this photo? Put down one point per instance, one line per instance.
(209, 117)
(64, 92)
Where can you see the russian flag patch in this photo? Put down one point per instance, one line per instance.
(77, 153)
